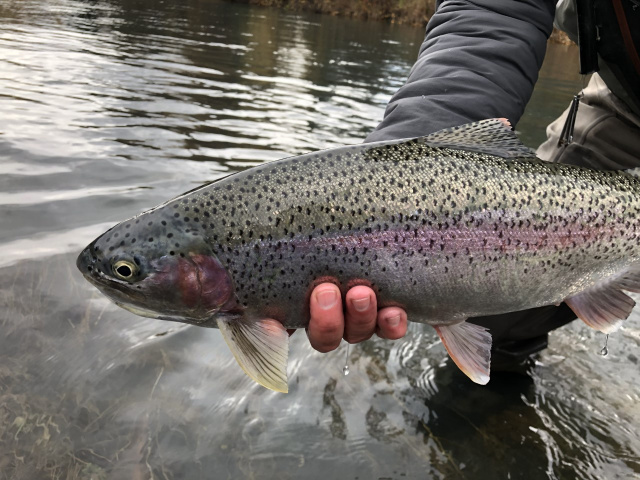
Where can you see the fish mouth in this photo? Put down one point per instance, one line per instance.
(85, 262)
(118, 291)
(142, 312)
(124, 296)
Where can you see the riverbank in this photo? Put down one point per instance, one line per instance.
(410, 12)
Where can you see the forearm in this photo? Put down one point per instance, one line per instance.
(479, 60)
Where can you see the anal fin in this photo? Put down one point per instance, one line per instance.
(261, 348)
(469, 346)
(605, 305)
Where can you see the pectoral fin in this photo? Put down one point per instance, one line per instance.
(605, 305)
(261, 348)
(469, 346)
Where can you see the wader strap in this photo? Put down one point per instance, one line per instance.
(566, 137)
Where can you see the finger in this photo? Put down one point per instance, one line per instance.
(362, 312)
(392, 323)
(326, 326)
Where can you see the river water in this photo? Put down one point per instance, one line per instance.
(110, 107)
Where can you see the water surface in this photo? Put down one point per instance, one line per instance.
(108, 108)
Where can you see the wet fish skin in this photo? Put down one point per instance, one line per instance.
(462, 223)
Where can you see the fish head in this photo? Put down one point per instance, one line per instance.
(156, 267)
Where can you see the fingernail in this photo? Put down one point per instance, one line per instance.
(361, 304)
(393, 321)
(326, 298)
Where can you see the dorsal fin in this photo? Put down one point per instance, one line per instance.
(493, 136)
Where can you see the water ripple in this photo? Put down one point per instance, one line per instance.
(111, 107)
(51, 244)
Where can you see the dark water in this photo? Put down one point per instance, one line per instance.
(107, 108)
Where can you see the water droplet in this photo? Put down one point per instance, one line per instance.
(605, 351)
(345, 369)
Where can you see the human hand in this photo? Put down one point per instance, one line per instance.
(329, 323)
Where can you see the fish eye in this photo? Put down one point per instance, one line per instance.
(124, 269)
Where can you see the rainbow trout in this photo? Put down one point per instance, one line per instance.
(464, 222)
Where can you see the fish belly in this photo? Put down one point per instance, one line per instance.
(437, 283)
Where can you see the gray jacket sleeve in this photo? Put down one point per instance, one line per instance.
(480, 59)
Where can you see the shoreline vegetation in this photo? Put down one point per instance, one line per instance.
(409, 12)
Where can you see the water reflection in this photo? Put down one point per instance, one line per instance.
(112, 107)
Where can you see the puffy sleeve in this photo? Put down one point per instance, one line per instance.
(479, 59)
